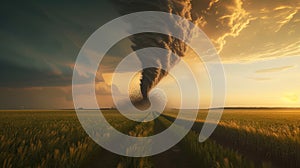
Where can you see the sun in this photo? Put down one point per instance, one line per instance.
(291, 97)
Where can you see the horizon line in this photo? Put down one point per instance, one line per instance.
(110, 108)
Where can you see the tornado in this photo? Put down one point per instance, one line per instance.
(150, 77)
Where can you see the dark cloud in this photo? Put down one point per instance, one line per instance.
(13, 75)
(40, 40)
(38, 97)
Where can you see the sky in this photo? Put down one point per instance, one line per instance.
(258, 42)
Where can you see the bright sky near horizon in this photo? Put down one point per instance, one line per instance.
(258, 42)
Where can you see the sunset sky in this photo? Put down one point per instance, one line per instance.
(258, 42)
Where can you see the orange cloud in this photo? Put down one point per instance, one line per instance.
(237, 20)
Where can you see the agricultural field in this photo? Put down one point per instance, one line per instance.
(244, 138)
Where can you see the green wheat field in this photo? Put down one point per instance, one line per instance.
(243, 138)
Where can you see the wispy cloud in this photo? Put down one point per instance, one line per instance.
(260, 78)
(248, 31)
(212, 3)
(285, 17)
(236, 21)
(282, 7)
(276, 69)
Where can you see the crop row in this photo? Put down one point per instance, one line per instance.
(47, 139)
(209, 153)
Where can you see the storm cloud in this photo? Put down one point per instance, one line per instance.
(40, 40)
